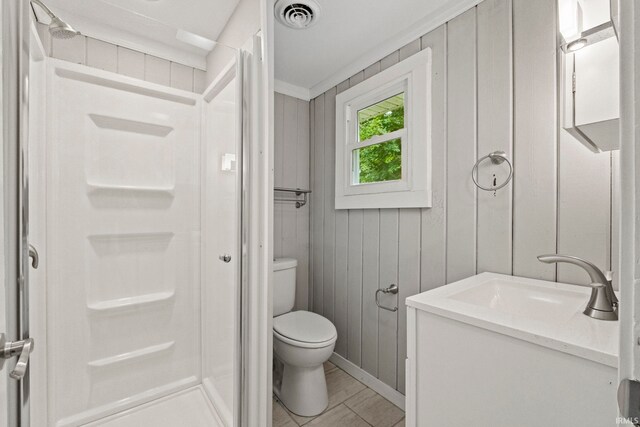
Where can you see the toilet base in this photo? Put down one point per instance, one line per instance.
(304, 390)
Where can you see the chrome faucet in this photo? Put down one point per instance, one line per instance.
(603, 304)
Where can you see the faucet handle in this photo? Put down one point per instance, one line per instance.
(608, 275)
(610, 291)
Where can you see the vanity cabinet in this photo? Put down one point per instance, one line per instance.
(502, 351)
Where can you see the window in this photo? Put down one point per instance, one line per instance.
(382, 139)
(380, 131)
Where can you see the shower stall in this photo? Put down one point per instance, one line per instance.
(126, 231)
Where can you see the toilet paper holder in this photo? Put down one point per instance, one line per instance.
(392, 289)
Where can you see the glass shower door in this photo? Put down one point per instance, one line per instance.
(221, 249)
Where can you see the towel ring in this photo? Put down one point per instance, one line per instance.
(497, 158)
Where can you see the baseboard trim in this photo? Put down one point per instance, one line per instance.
(391, 394)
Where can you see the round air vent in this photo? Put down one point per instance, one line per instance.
(297, 14)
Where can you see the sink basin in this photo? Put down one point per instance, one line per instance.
(538, 311)
(516, 298)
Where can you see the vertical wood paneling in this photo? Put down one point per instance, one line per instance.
(318, 198)
(535, 129)
(370, 283)
(408, 280)
(289, 179)
(385, 63)
(313, 206)
(102, 55)
(404, 270)
(584, 208)
(130, 62)
(157, 70)
(110, 57)
(291, 225)
(475, 74)
(461, 146)
(181, 77)
(495, 132)
(302, 162)
(433, 236)
(364, 280)
(341, 277)
(302, 218)
(290, 142)
(408, 50)
(341, 270)
(278, 170)
(388, 321)
(355, 285)
(329, 203)
(72, 50)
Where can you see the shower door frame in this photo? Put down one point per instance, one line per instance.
(15, 110)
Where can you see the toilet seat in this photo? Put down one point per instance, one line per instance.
(304, 329)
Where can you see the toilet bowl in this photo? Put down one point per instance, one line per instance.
(302, 342)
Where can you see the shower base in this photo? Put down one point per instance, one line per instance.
(189, 407)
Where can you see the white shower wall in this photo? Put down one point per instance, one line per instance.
(130, 303)
(123, 236)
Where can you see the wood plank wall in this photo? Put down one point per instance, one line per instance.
(110, 57)
(291, 169)
(494, 88)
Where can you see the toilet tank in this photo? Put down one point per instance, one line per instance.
(284, 285)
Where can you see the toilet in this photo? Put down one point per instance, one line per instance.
(302, 342)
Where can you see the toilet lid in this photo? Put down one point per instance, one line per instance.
(304, 326)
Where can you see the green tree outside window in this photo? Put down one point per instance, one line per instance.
(381, 162)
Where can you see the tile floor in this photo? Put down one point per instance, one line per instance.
(351, 404)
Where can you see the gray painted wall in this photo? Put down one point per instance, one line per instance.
(291, 169)
(494, 87)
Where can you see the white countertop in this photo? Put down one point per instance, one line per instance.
(540, 312)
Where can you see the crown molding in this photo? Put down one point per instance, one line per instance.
(292, 90)
(417, 30)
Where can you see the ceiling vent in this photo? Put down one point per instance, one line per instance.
(297, 14)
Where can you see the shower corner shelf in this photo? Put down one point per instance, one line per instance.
(108, 188)
(297, 191)
(141, 353)
(130, 302)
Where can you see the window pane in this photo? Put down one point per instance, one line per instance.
(381, 118)
(378, 162)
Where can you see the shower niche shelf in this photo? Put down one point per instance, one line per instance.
(142, 353)
(130, 302)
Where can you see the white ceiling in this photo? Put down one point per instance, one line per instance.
(351, 32)
(149, 25)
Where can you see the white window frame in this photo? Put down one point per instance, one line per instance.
(413, 77)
